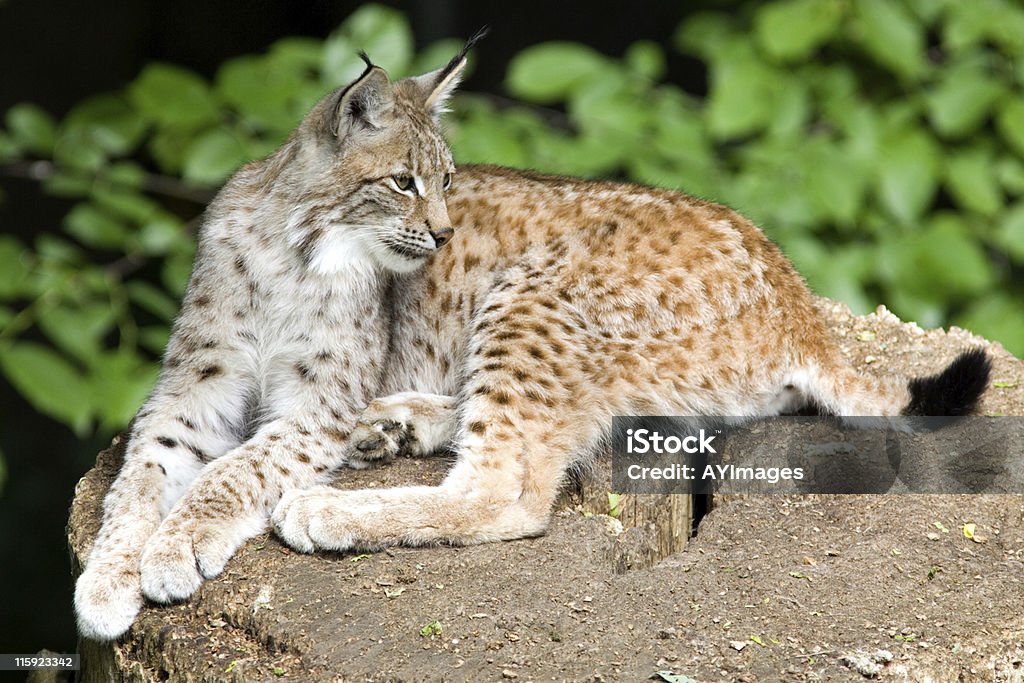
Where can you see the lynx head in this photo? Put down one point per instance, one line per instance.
(375, 170)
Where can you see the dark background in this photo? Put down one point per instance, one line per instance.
(55, 52)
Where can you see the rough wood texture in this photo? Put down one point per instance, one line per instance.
(564, 606)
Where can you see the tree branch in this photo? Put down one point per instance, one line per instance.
(163, 185)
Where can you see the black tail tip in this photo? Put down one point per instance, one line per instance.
(954, 391)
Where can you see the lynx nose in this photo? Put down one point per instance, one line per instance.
(442, 236)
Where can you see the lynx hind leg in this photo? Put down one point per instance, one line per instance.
(523, 420)
(404, 424)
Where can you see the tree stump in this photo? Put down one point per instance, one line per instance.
(585, 600)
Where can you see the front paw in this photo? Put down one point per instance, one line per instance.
(178, 557)
(170, 568)
(313, 518)
(107, 599)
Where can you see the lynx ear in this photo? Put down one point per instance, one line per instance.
(364, 105)
(438, 86)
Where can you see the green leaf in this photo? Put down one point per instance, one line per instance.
(263, 92)
(608, 107)
(835, 181)
(836, 273)
(95, 227)
(962, 101)
(162, 234)
(965, 26)
(9, 148)
(793, 29)
(299, 55)
(998, 316)
(77, 150)
(49, 383)
(14, 268)
(213, 157)
(679, 129)
(382, 32)
(154, 338)
(152, 299)
(705, 33)
(55, 249)
(645, 57)
(696, 178)
(792, 109)
(1006, 26)
(929, 10)
(1010, 171)
(434, 628)
(107, 121)
(925, 310)
(126, 174)
(436, 55)
(669, 677)
(944, 259)
(971, 179)
(172, 96)
(169, 145)
(176, 271)
(969, 24)
(892, 36)
(742, 94)
(69, 182)
(552, 71)
(614, 504)
(908, 174)
(120, 382)
(32, 128)
(482, 137)
(125, 203)
(763, 188)
(1010, 123)
(586, 155)
(836, 90)
(1010, 233)
(78, 330)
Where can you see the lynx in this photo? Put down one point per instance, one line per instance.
(356, 297)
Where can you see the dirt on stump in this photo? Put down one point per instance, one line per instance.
(795, 588)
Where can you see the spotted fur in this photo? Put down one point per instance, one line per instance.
(328, 275)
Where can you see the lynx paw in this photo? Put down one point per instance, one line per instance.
(313, 518)
(107, 600)
(378, 442)
(405, 424)
(177, 558)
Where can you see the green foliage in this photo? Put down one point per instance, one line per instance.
(86, 309)
(887, 162)
(880, 142)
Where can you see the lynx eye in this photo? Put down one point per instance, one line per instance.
(447, 181)
(404, 183)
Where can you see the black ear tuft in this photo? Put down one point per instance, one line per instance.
(954, 391)
(437, 86)
(455, 61)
